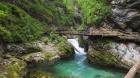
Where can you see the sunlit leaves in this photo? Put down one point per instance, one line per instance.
(18, 26)
(4, 34)
(94, 11)
(3, 14)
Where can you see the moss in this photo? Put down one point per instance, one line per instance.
(102, 57)
(45, 40)
(101, 44)
(14, 69)
(39, 74)
(101, 54)
(61, 43)
(49, 55)
(65, 49)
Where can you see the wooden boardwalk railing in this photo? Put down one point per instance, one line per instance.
(134, 36)
(101, 32)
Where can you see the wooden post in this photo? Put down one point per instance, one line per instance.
(132, 71)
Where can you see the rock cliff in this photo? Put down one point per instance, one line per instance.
(126, 14)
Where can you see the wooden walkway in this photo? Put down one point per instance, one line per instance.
(132, 36)
(103, 33)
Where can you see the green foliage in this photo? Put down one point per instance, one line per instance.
(5, 34)
(69, 4)
(94, 11)
(21, 20)
(2, 14)
(48, 11)
(68, 16)
(45, 40)
(17, 25)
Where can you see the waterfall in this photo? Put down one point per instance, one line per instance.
(75, 44)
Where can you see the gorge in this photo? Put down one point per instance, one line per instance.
(35, 42)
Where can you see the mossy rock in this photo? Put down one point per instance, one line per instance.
(100, 53)
(65, 50)
(62, 47)
(12, 68)
(105, 58)
(41, 57)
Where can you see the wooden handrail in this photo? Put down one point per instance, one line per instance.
(132, 71)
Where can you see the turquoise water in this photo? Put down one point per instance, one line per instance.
(79, 67)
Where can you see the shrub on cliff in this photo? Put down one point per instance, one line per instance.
(94, 11)
(16, 25)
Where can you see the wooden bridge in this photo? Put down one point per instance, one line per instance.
(105, 33)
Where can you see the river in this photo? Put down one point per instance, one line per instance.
(79, 67)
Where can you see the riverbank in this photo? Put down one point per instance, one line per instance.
(18, 58)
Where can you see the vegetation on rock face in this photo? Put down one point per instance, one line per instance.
(22, 20)
(94, 11)
(101, 54)
(12, 68)
(102, 57)
(16, 25)
(101, 44)
(63, 46)
(49, 11)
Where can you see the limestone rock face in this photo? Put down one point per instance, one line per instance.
(126, 13)
(24, 48)
(127, 53)
(40, 51)
(116, 54)
(49, 53)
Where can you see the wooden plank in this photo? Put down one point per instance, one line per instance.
(124, 36)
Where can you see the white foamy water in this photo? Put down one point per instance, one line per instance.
(75, 44)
